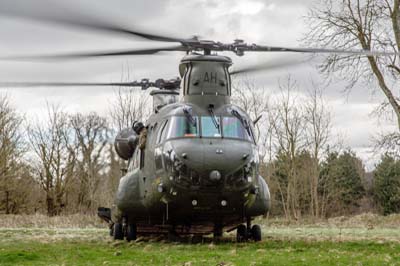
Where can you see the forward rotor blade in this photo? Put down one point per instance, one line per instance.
(286, 62)
(79, 55)
(26, 10)
(262, 48)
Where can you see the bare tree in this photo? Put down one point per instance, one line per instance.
(288, 123)
(369, 25)
(90, 138)
(254, 100)
(53, 161)
(12, 148)
(389, 143)
(129, 105)
(318, 121)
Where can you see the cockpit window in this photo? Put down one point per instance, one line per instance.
(209, 127)
(180, 126)
(233, 128)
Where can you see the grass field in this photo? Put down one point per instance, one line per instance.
(306, 244)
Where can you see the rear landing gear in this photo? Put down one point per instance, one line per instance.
(118, 232)
(131, 232)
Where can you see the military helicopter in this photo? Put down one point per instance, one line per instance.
(193, 166)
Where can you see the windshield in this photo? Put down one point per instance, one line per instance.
(180, 126)
(209, 128)
(233, 128)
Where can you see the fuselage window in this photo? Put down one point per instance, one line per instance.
(162, 134)
(180, 126)
(210, 127)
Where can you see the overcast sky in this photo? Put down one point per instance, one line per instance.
(273, 22)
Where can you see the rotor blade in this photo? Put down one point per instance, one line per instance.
(53, 15)
(79, 55)
(262, 48)
(69, 84)
(272, 65)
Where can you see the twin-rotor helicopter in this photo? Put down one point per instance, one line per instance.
(193, 165)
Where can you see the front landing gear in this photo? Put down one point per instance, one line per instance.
(244, 233)
(241, 233)
(255, 233)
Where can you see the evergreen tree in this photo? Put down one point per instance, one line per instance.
(387, 184)
(341, 183)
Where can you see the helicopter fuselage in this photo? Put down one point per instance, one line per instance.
(193, 178)
(200, 167)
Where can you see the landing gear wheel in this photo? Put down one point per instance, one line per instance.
(256, 233)
(118, 231)
(131, 232)
(241, 233)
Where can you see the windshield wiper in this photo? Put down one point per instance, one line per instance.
(242, 120)
(213, 117)
(188, 114)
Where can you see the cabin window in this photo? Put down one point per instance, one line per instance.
(181, 126)
(233, 128)
(210, 127)
(158, 158)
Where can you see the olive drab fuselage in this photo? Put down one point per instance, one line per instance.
(199, 167)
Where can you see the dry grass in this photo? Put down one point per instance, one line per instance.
(365, 220)
(365, 226)
(43, 221)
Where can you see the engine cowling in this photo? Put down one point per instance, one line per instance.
(125, 143)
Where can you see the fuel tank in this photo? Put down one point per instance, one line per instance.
(125, 143)
(130, 193)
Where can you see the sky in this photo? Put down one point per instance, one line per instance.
(269, 22)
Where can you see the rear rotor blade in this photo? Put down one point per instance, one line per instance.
(69, 84)
(171, 84)
(79, 55)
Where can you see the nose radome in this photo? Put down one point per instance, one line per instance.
(225, 158)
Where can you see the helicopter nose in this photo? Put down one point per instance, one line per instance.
(213, 158)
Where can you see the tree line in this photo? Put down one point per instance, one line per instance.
(308, 169)
(66, 163)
